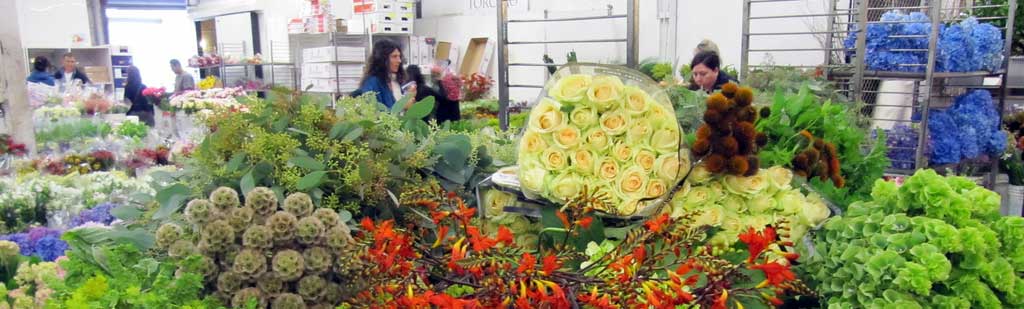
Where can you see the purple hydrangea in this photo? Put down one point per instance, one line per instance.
(99, 214)
(901, 142)
(37, 233)
(21, 239)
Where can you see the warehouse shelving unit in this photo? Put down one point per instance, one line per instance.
(282, 72)
(631, 40)
(928, 88)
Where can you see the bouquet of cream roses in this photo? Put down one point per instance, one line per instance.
(737, 203)
(593, 130)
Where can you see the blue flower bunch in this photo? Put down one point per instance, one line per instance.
(901, 142)
(41, 242)
(99, 214)
(967, 130)
(962, 47)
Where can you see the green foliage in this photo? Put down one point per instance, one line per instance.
(658, 71)
(934, 242)
(133, 129)
(121, 276)
(792, 113)
(72, 131)
(689, 106)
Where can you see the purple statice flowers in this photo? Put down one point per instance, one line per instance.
(967, 130)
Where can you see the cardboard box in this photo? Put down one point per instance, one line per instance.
(442, 51)
(330, 70)
(98, 74)
(331, 54)
(477, 57)
(405, 7)
(380, 23)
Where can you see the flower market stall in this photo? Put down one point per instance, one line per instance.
(615, 188)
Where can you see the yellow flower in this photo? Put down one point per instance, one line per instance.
(553, 159)
(496, 200)
(605, 92)
(637, 101)
(532, 143)
(583, 116)
(583, 161)
(532, 178)
(614, 123)
(567, 137)
(607, 168)
(645, 159)
(622, 152)
(656, 188)
(546, 117)
(597, 139)
(572, 88)
(710, 215)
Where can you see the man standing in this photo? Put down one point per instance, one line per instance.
(70, 72)
(183, 81)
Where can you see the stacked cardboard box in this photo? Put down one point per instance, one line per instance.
(384, 16)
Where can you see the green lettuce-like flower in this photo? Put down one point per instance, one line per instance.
(913, 277)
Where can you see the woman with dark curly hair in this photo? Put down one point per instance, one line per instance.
(384, 75)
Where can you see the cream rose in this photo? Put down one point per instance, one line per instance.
(572, 88)
(583, 161)
(623, 152)
(639, 133)
(815, 211)
(790, 202)
(699, 196)
(605, 92)
(746, 186)
(636, 100)
(666, 140)
(711, 215)
(553, 159)
(632, 183)
(597, 140)
(667, 167)
(532, 143)
(496, 200)
(607, 168)
(566, 187)
(614, 123)
(583, 117)
(645, 158)
(546, 117)
(628, 207)
(532, 178)
(760, 203)
(567, 137)
(733, 203)
(656, 188)
(699, 175)
(779, 177)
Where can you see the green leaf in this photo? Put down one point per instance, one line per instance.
(247, 183)
(171, 199)
(339, 128)
(352, 135)
(311, 180)
(307, 163)
(281, 124)
(125, 212)
(236, 162)
(455, 149)
(420, 109)
(399, 104)
(345, 215)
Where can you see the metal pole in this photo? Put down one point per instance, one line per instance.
(745, 42)
(1003, 89)
(828, 37)
(632, 39)
(922, 140)
(503, 64)
(858, 76)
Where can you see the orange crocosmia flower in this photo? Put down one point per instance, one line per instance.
(442, 233)
(438, 216)
(550, 265)
(639, 254)
(505, 236)
(720, 301)
(561, 216)
(527, 264)
(480, 243)
(585, 222)
(657, 224)
(429, 204)
(775, 301)
(757, 241)
(367, 224)
(775, 273)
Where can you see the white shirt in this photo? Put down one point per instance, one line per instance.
(396, 89)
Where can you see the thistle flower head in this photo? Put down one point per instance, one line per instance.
(299, 204)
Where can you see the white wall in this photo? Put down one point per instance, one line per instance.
(53, 23)
(151, 53)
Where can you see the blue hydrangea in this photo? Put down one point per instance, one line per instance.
(971, 126)
(37, 233)
(99, 214)
(943, 133)
(50, 248)
(901, 142)
(23, 243)
(996, 143)
(962, 47)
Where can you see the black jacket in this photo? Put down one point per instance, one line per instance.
(723, 78)
(79, 75)
(444, 109)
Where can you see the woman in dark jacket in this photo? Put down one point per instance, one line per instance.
(444, 109)
(706, 73)
(384, 76)
(133, 93)
(39, 74)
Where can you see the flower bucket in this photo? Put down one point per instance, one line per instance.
(1014, 203)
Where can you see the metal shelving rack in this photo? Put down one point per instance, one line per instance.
(631, 40)
(929, 89)
(299, 42)
(277, 63)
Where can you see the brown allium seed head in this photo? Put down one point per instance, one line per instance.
(744, 96)
(718, 102)
(812, 155)
(738, 165)
(761, 139)
(765, 112)
(712, 116)
(715, 163)
(800, 162)
(704, 132)
(727, 146)
(729, 89)
(753, 166)
(701, 147)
